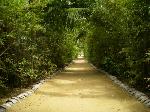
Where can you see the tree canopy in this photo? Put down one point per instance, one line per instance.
(38, 37)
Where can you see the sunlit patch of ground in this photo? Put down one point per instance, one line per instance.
(59, 81)
(77, 69)
(79, 61)
(79, 88)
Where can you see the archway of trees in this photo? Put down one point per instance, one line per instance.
(38, 37)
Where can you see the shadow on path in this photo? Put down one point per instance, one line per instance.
(79, 88)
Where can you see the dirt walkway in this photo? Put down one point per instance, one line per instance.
(79, 88)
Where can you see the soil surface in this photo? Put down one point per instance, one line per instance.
(79, 88)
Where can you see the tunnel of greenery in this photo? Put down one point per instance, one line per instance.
(38, 37)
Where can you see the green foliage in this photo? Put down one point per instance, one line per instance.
(119, 42)
(39, 37)
(36, 39)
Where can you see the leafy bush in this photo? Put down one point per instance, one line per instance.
(119, 40)
(34, 40)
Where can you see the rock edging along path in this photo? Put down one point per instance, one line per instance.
(13, 100)
(79, 88)
(143, 98)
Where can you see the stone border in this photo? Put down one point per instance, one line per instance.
(141, 97)
(11, 101)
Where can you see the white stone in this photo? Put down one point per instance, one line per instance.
(122, 85)
(12, 100)
(10, 103)
(133, 92)
(29, 92)
(117, 82)
(35, 87)
(25, 94)
(143, 98)
(138, 94)
(147, 101)
(6, 105)
(21, 96)
(15, 98)
(42, 81)
(126, 87)
(113, 77)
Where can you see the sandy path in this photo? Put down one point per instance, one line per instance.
(79, 88)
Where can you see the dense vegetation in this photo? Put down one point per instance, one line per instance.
(40, 37)
(36, 39)
(119, 41)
